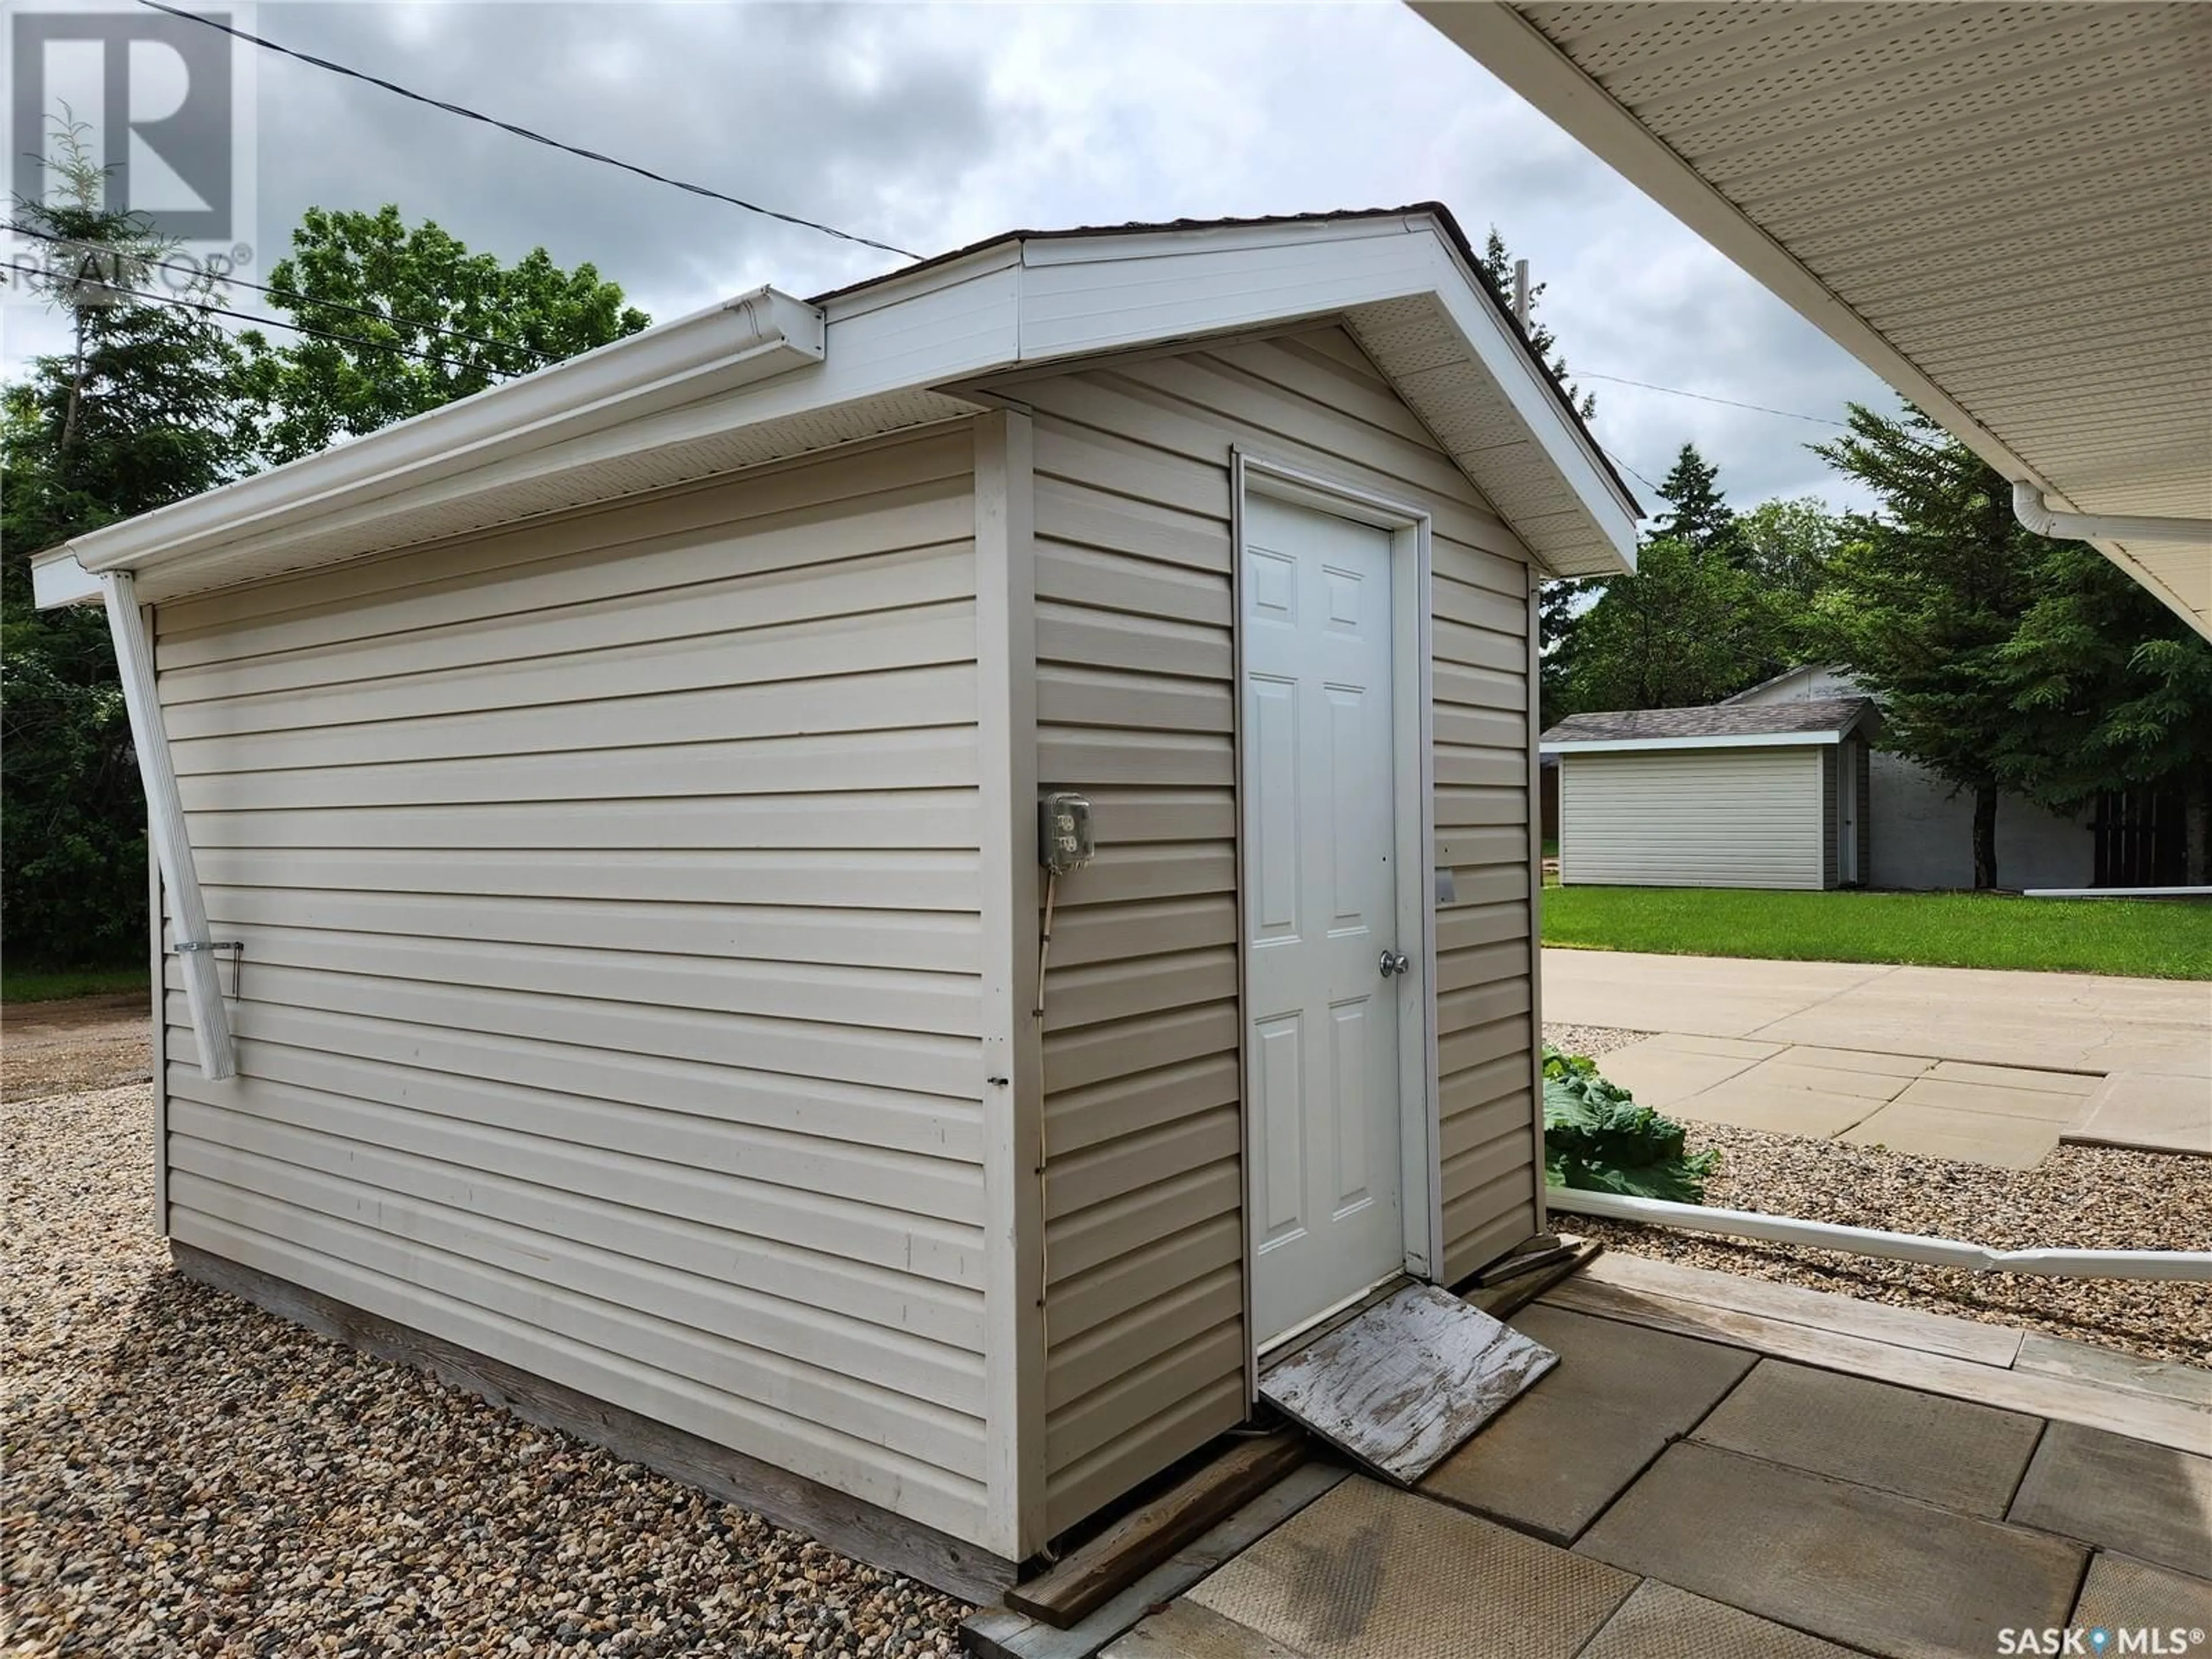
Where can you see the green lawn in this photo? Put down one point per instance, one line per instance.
(53, 984)
(2146, 938)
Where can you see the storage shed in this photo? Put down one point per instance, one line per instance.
(602, 925)
(1729, 796)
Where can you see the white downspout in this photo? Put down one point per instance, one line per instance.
(165, 823)
(2034, 512)
(2194, 1266)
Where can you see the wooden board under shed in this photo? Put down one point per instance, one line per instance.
(1101, 1567)
(1401, 1385)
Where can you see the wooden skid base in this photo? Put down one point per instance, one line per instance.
(1090, 1575)
(1002, 1633)
(845, 1523)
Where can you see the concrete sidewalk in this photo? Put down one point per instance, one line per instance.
(1994, 1066)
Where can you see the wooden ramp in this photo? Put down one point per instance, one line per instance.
(1399, 1387)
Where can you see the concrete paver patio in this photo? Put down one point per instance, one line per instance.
(1693, 1496)
(1960, 1063)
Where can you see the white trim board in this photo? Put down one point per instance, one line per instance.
(1739, 740)
(767, 377)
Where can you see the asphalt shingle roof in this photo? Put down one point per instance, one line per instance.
(1813, 718)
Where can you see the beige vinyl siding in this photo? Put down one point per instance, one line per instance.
(1749, 817)
(611, 1005)
(1146, 1338)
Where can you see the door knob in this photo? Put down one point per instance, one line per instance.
(1394, 962)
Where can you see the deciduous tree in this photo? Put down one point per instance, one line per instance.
(405, 318)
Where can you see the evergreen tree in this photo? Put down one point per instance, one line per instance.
(1560, 602)
(1497, 265)
(1701, 521)
(2006, 662)
(137, 414)
(1921, 601)
(2113, 692)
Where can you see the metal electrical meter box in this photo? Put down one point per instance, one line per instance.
(1064, 840)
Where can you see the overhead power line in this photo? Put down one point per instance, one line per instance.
(1677, 392)
(1631, 471)
(370, 312)
(208, 308)
(535, 137)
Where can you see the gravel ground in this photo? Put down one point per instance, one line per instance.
(185, 1475)
(2082, 1197)
(1590, 1041)
(84, 1043)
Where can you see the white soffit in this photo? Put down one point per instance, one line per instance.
(767, 377)
(2004, 209)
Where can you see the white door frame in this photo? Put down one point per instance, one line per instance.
(1413, 725)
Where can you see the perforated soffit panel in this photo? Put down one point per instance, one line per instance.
(2017, 197)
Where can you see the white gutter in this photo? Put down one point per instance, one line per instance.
(749, 338)
(2036, 514)
(2192, 1266)
(165, 823)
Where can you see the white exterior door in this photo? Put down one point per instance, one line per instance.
(1321, 909)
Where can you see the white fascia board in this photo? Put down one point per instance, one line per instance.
(1085, 295)
(1496, 35)
(937, 333)
(60, 580)
(1740, 740)
(754, 336)
(1525, 383)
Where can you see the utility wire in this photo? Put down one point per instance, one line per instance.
(466, 113)
(1632, 471)
(303, 299)
(1677, 392)
(207, 307)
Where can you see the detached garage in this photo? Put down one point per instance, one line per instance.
(602, 932)
(1729, 796)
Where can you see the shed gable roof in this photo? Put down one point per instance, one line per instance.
(1822, 719)
(767, 376)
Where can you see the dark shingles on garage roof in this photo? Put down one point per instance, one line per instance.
(1815, 718)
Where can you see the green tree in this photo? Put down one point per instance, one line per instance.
(1701, 519)
(2113, 691)
(1787, 545)
(135, 415)
(1922, 598)
(1497, 265)
(1560, 602)
(1687, 629)
(406, 319)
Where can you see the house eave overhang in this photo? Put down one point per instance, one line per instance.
(2034, 386)
(768, 376)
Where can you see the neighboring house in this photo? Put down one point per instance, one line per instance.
(1922, 828)
(1761, 796)
(623, 784)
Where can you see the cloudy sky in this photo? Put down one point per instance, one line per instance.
(931, 126)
